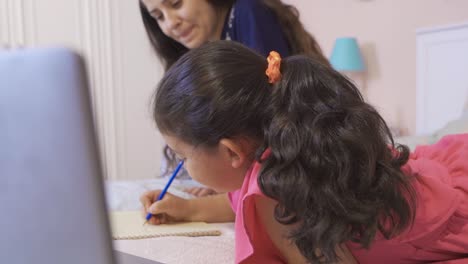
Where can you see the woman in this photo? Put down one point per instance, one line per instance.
(175, 26)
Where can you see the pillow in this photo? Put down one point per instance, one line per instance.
(413, 141)
(457, 126)
(454, 127)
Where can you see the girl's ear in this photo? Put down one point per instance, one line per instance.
(238, 151)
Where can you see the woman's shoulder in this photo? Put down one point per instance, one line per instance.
(253, 10)
(255, 25)
(249, 6)
(246, 14)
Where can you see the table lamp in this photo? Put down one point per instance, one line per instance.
(346, 56)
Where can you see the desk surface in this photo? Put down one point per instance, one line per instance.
(202, 250)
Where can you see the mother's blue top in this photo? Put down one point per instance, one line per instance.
(256, 26)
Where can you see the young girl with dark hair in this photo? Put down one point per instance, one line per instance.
(320, 178)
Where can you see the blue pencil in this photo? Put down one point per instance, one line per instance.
(161, 195)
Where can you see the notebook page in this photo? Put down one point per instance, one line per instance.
(129, 225)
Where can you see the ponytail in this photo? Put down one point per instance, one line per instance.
(330, 168)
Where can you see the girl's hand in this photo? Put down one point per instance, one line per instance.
(200, 191)
(170, 209)
(212, 209)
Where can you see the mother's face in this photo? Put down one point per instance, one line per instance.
(189, 22)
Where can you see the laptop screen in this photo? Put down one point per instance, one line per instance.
(51, 193)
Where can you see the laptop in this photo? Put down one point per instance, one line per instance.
(52, 201)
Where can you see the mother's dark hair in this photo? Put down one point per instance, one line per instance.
(300, 41)
(334, 168)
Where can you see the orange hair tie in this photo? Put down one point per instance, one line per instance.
(273, 71)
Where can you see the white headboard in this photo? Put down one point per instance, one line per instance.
(442, 76)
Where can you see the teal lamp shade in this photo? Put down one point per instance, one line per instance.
(346, 55)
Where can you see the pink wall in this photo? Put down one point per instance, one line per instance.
(386, 32)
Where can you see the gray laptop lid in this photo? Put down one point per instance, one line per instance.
(51, 193)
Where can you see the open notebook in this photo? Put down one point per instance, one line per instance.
(129, 225)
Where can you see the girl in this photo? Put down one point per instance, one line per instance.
(175, 26)
(321, 179)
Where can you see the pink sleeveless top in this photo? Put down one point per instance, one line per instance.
(440, 231)
(253, 245)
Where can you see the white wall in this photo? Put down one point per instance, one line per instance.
(121, 66)
(142, 149)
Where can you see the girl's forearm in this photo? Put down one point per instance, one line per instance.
(211, 209)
